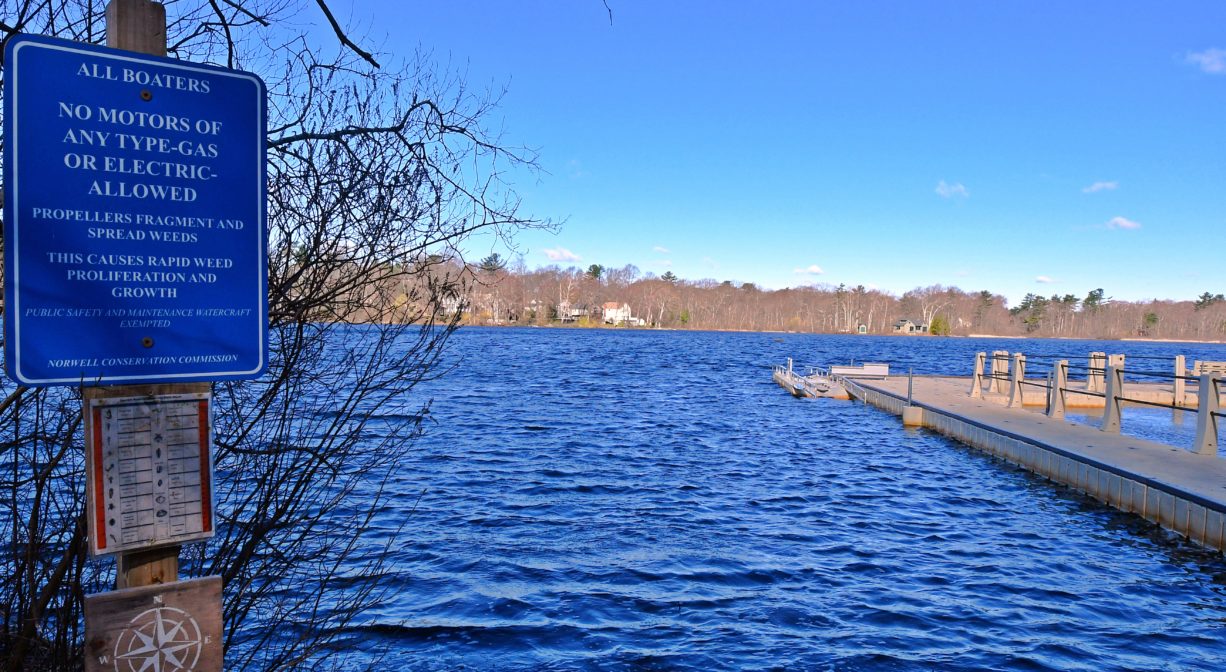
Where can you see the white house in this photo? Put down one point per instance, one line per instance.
(619, 313)
(452, 304)
(616, 313)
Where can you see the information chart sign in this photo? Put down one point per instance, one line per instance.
(150, 471)
(172, 626)
(134, 222)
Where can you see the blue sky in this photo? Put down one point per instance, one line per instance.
(1048, 147)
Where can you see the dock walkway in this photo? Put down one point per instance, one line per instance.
(1175, 488)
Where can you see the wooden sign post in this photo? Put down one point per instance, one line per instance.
(140, 25)
(151, 620)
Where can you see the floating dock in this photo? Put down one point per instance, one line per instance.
(813, 384)
(1181, 490)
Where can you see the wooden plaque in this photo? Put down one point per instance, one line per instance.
(171, 627)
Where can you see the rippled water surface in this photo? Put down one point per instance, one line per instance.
(651, 500)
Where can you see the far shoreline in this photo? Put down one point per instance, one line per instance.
(827, 333)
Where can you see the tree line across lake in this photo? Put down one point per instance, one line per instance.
(498, 293)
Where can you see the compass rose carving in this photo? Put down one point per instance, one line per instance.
(162, 639)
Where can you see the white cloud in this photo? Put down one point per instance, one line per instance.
(1044, 280)
(812, 269)
(1211, 61)
(947, 190)
(561, 254)
(574, 168)
(1122, 223)
(1101, 186)
(661, 249)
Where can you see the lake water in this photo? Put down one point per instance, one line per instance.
(651, 500)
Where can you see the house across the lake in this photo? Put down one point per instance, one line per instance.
(905, 326)
(570, 313)
(619, 313)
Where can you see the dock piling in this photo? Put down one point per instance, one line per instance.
(1094, 377)
(1055, 394)
(1015, 381)
(912, 416)
(1209, 405)
(1180, 372)
(1115, 388)
(1000, 369)
(977, 376)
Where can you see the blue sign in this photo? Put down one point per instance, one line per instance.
(134, 220)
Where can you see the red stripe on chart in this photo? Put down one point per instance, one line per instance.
(99, 486)
(206, 474)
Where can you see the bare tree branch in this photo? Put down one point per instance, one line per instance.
(343, 37)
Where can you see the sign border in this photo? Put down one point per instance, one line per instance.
(12, 312)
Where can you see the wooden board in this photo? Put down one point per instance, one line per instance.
(169, 627)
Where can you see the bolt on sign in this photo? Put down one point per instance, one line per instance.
(149, 471)
(134, 225)
(169, 627)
